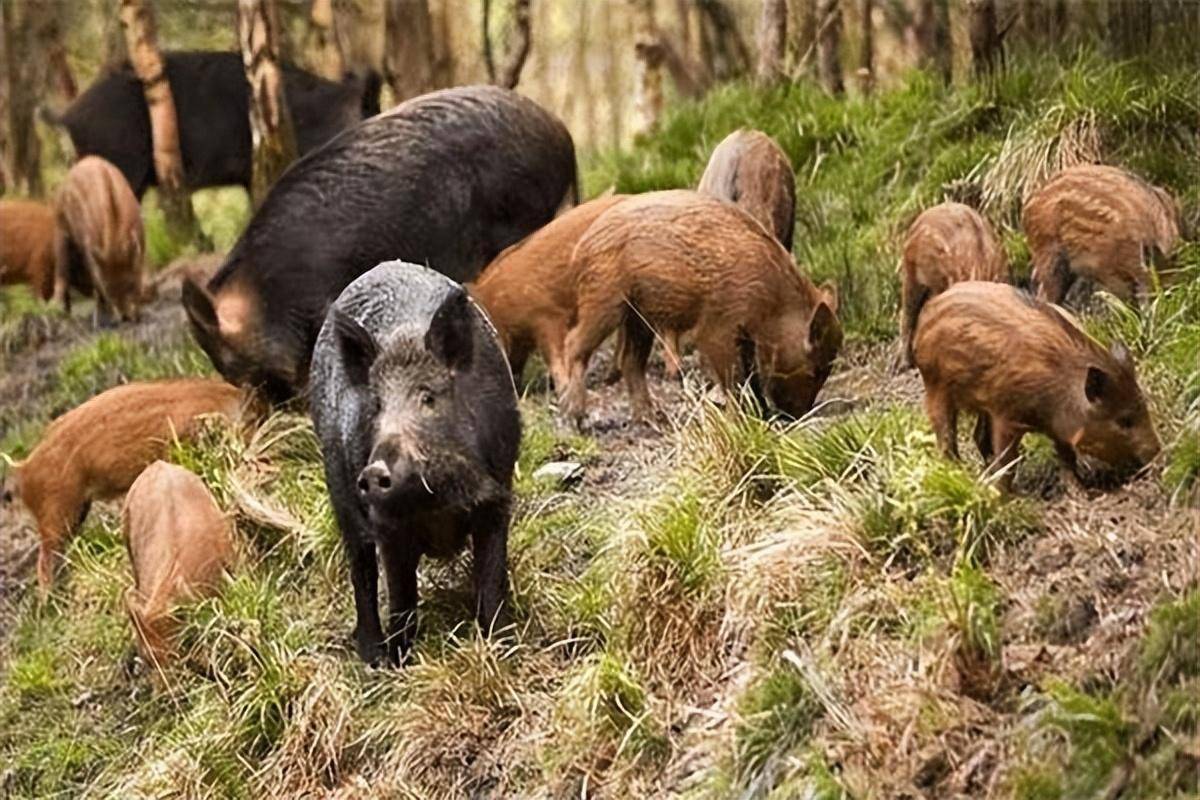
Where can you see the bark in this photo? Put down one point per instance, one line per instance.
(772, 40)
(324, 50)
(25, 37)
(803, 41)
(60, 68)
(866, 69)
(1130, 26)
(4, 179)
(724, 50)
(986, 47)
(830, 45)
(931, 29)
(141, 41)
(508, 72)
(649, 53)
(408, 57)
(271, 133)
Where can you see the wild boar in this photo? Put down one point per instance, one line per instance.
(751, 171)
(27, 237)
(528, 290)
(1024, 365)
(95, 451)
(100, 224)
(180, 545)
(681, 262)
(417, 416)
(212, 101)
(448, 179)
(946, 244)
(1102, 224)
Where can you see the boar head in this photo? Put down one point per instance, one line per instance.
(421, 438)
(796, 357)
(1116, 426)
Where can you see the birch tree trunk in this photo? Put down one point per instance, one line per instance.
(408, 56)
(141, 42)
(272, 136)
(986, 52)
(508, 72)
(324, 50)
(649, 101)
(772, 40)
(829, 42)
(24, 25)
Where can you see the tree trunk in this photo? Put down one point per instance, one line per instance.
(60, 68)
(986, 48)
(141, 41)
(28, 32)
(802, 43)
(408, 57)
(508, 72)
(649, 55)
(4, 179)
(324, 50)
(931, 26)
(1130, 26)
(829, 38)
(866, 69)
(725, 52)
(271, 132)
(772, 40)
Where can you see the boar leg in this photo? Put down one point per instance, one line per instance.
(62, 271)
(943, 416)
(983, 437)
(489, 546)
(596, 321)
(55, 529)
(400, 569)
(639, 340)
(1068, 464)
(618, 358)
(364, 567)
(913, 301)
(672, 355)
(1006, 443)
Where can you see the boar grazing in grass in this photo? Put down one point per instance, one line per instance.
(1101, 224)
(27, 237)
(180, 545)
(448, 179)
(682, 263)
(95, 451)
(751, 171)
(212, 101)
(100, 228)
(417, 416)
(529, 290)
(945, 245)
(1023, 365)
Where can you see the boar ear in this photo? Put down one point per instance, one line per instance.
(1096, 384)
(451, 335)
(198, 304)
(1121, 353)
(357, 347)
(822, 325)
(830, 291)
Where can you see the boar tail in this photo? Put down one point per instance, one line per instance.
(913, 304)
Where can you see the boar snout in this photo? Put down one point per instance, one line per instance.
(375, 481)
(381, 483)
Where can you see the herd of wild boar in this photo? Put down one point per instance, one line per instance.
(400, 274)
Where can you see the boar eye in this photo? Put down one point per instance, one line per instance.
(426, 398)
(1127, 422)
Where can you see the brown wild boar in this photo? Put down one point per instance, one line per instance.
(95, 451)
(1023, 365)
(27, 236)
(180, 545)
(100, 228)
(751, 171)
(946, 244)
(1101, 224)
(680, 262)
(529, 291)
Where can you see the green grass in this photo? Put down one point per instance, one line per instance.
(777, 715)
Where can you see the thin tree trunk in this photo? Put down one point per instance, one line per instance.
(324, 50)
(986, 47)
(616, 116)
(830, 45)
(141, 40)
(4, 179)
(25, 32)
(649, 55)
(726, 53)
(772, 40)
(803, 41)
(60, 68)
(582, 69)
(1130, 26)
(931, 26)
(866, 70)
(271, 132)
(508, 72)
(408, 57)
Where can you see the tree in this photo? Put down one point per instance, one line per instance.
(508, 74)
(271, 132)
(722, 48)
(829, 44)
(649, 55)
(772, 40)
(324, 50)
(1130, 26)
(408, 56)
(866, 69)
(803, 41)
(931, 30)
(27, 30)
(986, 44)
(141, 41)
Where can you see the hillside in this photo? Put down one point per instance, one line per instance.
(721, 607)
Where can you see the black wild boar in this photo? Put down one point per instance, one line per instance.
(448, 179)
(211, 102)
(417, 416)
(1023, 365)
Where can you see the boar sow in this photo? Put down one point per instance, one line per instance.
(27, 237)
(100, 229)
(417, 416)
(681, 263)
(212, 101)
(1023, 366)
(95, 451)
(947, 244)
(448, 179)
(1101, 224)
(750, 170)
(179, 545)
